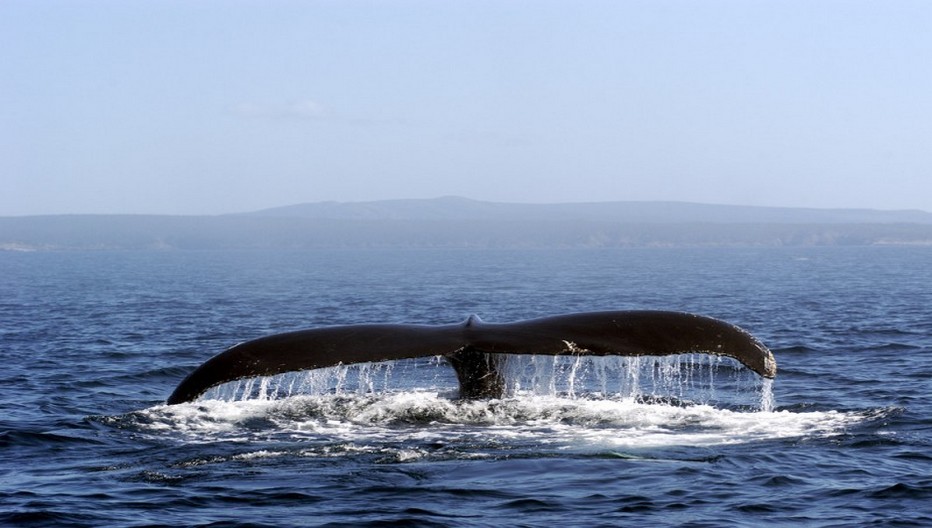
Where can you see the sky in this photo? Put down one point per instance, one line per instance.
(223, 106)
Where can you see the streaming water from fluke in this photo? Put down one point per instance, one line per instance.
(684, 379)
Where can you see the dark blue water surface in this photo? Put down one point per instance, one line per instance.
(93, 342)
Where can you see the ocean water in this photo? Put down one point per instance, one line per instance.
(93, 342)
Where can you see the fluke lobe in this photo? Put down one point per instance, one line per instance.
(470, 347)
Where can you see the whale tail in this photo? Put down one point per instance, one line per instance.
(470, 347)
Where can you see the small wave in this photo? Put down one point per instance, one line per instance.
(45, 518)
(794, 349)
(35, 439)
(172, 373)
(902, 490)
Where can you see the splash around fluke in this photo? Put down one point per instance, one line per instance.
(472, 347)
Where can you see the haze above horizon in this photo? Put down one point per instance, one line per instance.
(214, 107)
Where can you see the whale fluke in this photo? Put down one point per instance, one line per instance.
(468, 346)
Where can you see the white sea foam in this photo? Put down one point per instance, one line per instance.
(561, 403)
(409, 419)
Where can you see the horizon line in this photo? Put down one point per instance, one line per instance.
(474, 200)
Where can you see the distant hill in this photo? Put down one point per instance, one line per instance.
(455, 208)
(452, 222)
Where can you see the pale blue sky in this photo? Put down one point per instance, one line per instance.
(209, 106)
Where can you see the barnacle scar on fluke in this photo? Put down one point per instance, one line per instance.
(469, 346)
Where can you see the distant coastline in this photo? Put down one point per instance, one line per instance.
(452, 222)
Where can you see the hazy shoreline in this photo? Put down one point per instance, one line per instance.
(462, 223)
